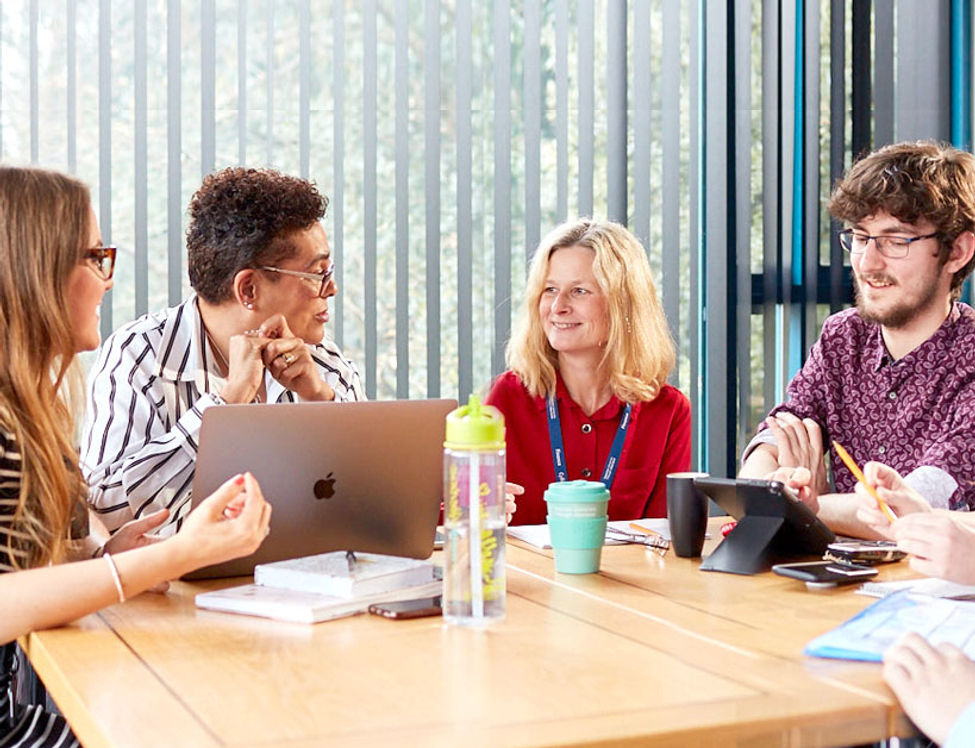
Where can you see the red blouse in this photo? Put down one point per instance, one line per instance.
(658, 442)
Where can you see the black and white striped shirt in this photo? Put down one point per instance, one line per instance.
(147, 392)
(20, 726)
(10, 471)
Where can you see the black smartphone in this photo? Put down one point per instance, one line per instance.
(419, 608)
(819, 574)
(867, 552)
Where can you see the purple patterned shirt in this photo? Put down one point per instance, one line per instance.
(916, 414)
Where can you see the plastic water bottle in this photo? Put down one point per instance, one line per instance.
(474, 515)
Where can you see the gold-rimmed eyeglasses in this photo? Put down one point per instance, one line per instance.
(318, 280)
(102, 260)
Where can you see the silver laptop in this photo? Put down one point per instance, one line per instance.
(362, 476)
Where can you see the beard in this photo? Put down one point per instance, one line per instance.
(900, 314)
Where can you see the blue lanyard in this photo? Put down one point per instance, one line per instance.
(558, 446)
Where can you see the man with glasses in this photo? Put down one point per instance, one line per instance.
(892, 380)
(254, 331)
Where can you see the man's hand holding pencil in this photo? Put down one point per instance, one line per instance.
(893, 490)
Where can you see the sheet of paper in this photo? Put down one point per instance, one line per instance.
(537, 535)
(867, 635)
(931, 586)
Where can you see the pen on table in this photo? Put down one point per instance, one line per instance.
(858, 474)
(350, 560)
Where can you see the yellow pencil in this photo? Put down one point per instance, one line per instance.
(644, 530)
(655, 540)
(858, 474)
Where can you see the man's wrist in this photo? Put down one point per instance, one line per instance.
(761, 461)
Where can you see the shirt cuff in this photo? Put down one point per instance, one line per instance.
(765, 436)
(215, 400)
(934, 484)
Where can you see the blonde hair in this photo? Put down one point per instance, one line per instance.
(639, 352)
(44, 225)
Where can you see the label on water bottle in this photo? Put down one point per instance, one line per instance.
(474, 579)
(453, 512)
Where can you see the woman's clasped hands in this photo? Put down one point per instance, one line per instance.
(273, 347)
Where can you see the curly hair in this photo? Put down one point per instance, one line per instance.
(639, 349)
(242, 218)
(913, 181)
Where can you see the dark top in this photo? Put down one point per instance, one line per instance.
(22, 725)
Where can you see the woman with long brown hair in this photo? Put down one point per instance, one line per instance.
(54, 272)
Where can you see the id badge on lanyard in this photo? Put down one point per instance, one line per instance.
(558, 446)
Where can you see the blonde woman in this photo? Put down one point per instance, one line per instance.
(54, 272)
(585, 396)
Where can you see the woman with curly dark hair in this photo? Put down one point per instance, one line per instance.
(254, 331)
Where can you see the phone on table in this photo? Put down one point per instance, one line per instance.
(822, 574)
(418, 608)
(867, 552)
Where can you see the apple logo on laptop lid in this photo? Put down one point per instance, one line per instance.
(325, 487)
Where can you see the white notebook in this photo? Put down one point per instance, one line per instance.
(538, 536)
(326, 586)
(333, 574)
(303, 607)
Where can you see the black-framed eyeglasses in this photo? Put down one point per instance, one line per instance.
(102, 260)
(891, 247)
(319, 280)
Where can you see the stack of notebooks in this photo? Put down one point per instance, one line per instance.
(326, 586)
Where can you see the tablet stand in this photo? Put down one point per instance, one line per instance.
(748, 547)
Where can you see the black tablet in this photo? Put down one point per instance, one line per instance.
(773, 525)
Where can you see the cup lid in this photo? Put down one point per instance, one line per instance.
(577, 490)
(475, 426)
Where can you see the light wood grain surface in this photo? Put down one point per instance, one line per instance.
(650, 651)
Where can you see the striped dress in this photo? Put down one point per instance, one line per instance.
(20, 726)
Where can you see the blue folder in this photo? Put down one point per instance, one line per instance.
(866, 636)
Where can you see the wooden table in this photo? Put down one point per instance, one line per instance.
(649, 651)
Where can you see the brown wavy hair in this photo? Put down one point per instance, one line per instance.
(44, 225)
(913, 181)
(241, 218)
(639, 353)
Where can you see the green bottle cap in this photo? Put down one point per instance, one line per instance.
(475, 426)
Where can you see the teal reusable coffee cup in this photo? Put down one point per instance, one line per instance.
(577, 524)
